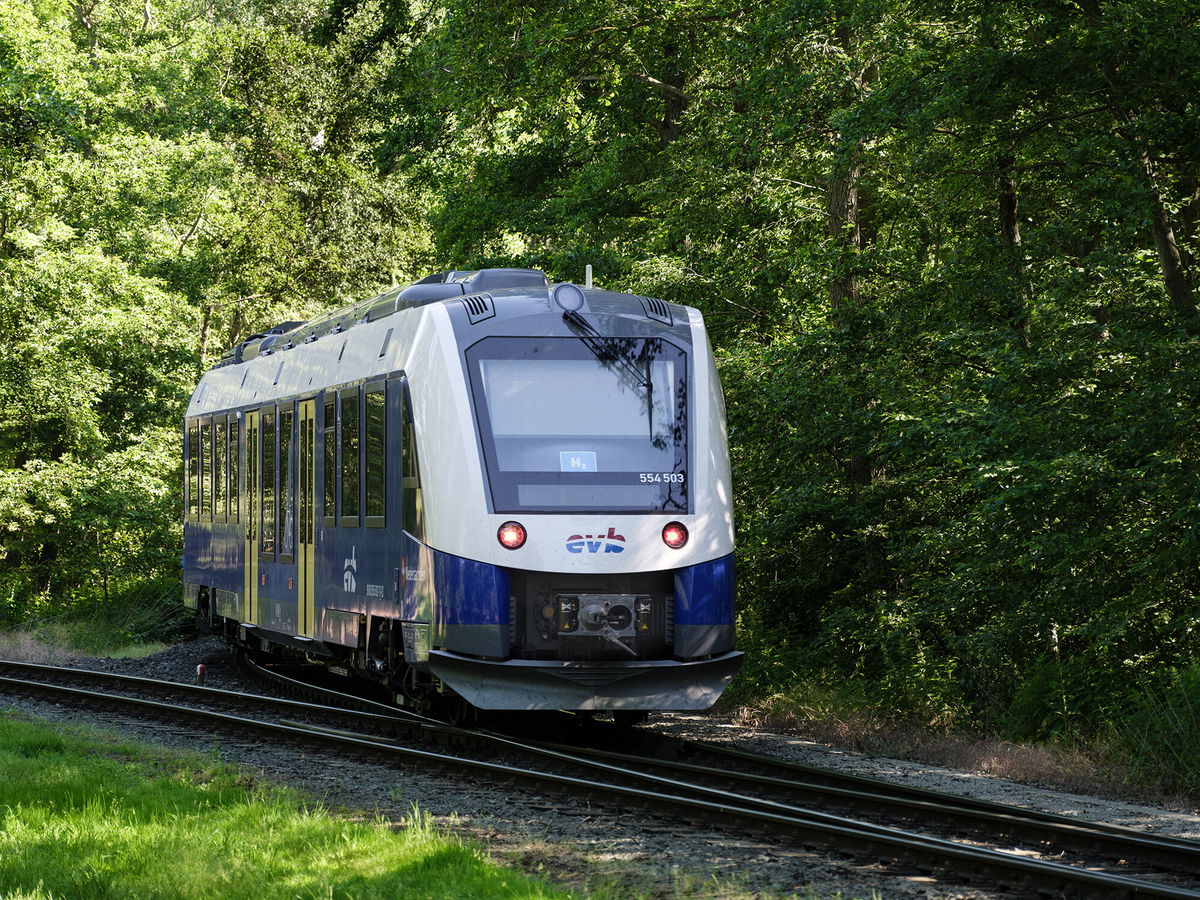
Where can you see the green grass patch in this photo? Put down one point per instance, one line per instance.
(71, 639)
(84, 816)
(134, 624)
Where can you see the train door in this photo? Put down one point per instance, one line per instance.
(305, 545)
(251, 506)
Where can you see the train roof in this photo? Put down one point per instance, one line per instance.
(430, 289)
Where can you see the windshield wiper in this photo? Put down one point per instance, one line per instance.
(606, 350)
(609, 350)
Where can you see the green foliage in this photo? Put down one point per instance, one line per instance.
(946, 252)
(133, 615)
(172, 177)
(1158, 737)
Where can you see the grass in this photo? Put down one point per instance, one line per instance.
(55, 643)
(141, 621)
(1158, 734)
(84, 816)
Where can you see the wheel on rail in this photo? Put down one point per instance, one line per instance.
(454, 710)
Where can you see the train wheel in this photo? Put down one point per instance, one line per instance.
(454, 710)
(203, 621)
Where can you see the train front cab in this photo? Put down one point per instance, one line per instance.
(591, 447)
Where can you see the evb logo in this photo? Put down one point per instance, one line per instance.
(596, 543)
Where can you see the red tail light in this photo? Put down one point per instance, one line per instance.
(675, 535)
(512, 535)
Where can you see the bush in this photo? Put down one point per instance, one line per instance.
(141, 616)
(1159, 737)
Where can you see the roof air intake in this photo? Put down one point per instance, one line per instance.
(479, 307)
(656, 309)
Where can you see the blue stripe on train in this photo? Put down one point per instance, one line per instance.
(476, 593)
(704, 593)
(469, 592)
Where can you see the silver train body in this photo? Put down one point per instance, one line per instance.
(480, 485)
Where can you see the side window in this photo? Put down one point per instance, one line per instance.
(329, 517)
(206, 467)
(268, 481)
(348, 427)
(375, 455)
(235, 423)
(220, 473)
(414, 503)
(193, 470)
(287, 502)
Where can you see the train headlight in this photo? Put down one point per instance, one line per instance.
(567, 297)
(675, 535)
(512, 535)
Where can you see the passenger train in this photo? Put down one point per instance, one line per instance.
(481, 486)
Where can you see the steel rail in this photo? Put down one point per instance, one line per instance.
(1027, 825)
(365, 711)
(822, 829)
(679, 750)
(1019, 823)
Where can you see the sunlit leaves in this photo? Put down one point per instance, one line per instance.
(174, 175)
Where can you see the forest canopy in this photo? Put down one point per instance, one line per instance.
(946, 250)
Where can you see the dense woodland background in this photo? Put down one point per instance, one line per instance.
(946, 250)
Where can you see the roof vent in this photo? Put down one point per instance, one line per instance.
(656, 309)
(425, 291)
(457, 282)
(479, 307)
(495, 279)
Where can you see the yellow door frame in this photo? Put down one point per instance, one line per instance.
(251, 504)
(306, 542)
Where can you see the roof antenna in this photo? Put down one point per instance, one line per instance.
(588, 276)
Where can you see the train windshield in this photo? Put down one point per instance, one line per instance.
(590, 423)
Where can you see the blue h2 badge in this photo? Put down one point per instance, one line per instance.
(577, 461)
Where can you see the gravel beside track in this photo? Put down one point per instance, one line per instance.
(569, 841)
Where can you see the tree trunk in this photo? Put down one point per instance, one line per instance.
(846, 234)
(235, 327)
(1017, 315)
(84, 10)
(1175, 275)
(205, 324)
(1170, 260)
(845, 217)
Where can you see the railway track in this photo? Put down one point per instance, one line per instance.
(828, 789)
(699, 782)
